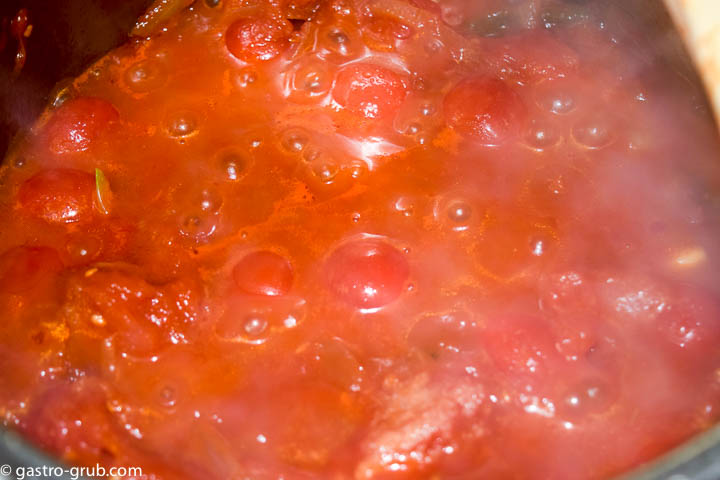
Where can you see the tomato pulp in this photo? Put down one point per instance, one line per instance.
(366, 240)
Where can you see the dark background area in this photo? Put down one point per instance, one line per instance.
(67, 36)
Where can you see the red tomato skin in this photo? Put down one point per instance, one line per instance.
(367, 273)
(263, 273)
(259, 39)
(60, 196)
(485, 109)
(78, 123)
(368, 90)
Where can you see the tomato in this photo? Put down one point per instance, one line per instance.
(368, 90)
(263, 273)
(78, 123)
(485, 109)
(61, 195)
(367, 273)
(257, 39)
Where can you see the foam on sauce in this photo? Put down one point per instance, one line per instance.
(401, 239)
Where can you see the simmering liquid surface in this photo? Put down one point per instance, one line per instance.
(366, 239)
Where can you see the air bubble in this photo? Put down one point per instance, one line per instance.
(246, 77)
(83, 249)
(405, 206)
(168, 397)
(144, 76)
(294, 140)
(358, 170)
(255, 326)
(251, 328)
(541, 136)
(413, 129)
(339, 42)
(593, 132)
(182, 124)
(310, 154)
(325, 170)
(199, 228)
(210, 201)
(427, 109)
(233, 166)
(554, 97)
(434, 46)
(459, 212)
(309, 80)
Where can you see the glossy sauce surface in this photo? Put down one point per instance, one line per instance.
(366, 240)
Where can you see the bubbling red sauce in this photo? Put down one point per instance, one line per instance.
(367, 239)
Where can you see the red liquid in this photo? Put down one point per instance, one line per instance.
(399, 240)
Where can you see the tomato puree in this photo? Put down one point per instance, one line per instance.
(367, 239)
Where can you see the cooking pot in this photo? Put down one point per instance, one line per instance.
(68, 35)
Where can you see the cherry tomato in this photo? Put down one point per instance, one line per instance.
(59, 195)
(367, 273)
(485, 109)
(78, 123)
(369, 90)
(257, 39)
(263, 273)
